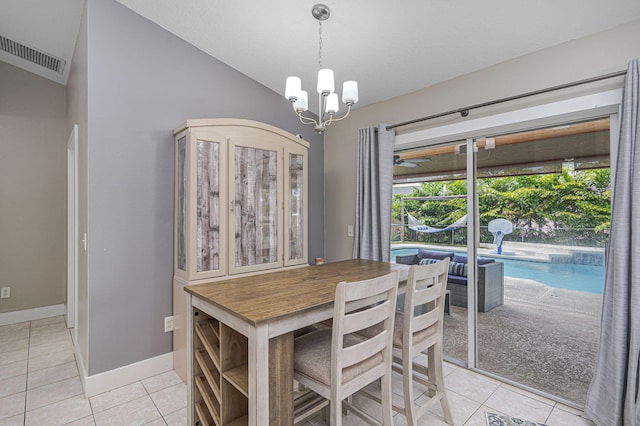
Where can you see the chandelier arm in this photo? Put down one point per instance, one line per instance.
(302, 117)
(332, 118)
(308, 120)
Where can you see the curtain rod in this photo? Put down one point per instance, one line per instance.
(465, 111)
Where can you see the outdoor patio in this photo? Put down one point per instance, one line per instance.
(542, 337)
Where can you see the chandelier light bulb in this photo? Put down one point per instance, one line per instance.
(292, 88)
(325, 81)
(302, 103)
(332, 104)
(350, 92)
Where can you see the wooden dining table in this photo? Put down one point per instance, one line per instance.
(268, 308)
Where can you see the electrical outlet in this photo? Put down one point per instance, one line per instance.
(5, 292)
(350, 231)
(168, 324)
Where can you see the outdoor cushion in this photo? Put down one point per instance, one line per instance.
(439, 255)
(459, 269)
(456, 279)
(427, 261)
(458, 258)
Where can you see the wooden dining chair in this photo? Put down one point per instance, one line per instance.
(419, 329)
(335, 363)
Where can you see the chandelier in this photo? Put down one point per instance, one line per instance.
(327, 98)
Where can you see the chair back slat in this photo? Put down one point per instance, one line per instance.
(362, 319)
(421, 280)
(368, 288)
(424, 296)
(364, 350)
(424, 321)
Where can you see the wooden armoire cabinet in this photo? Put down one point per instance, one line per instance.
(241, 206)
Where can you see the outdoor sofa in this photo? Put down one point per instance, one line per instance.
(490, 277)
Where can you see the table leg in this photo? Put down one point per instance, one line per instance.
(281, 380)
(258, 376)
(270, 378)
(190, 408)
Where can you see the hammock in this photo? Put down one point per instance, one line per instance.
(417, 226)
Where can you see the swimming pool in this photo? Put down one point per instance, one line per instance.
(568, 276)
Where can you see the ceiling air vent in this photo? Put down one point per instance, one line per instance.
(31, 54)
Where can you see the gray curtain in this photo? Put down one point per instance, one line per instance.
(613, 395)
(372, 233)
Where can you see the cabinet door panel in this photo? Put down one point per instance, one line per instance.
(181, 204)
(296, 208)
(208, 206)
(207, 238)
(256, 209)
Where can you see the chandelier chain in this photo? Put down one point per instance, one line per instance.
(320, 43)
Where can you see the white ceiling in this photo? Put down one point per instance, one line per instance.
(390, 48)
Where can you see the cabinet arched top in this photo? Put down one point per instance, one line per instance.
(238, 123)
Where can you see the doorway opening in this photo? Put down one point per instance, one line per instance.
(72, 229)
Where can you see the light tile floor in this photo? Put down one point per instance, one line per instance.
(40, 385)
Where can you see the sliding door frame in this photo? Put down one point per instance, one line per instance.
(583, 108)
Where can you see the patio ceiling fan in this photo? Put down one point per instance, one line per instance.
(411, 162)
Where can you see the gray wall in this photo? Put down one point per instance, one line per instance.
(591, 56)
(143, 82)
(32, 190)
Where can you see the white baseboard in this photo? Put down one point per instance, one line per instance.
(113, 379)
(102, 382)
(15, 317)
(82, 369)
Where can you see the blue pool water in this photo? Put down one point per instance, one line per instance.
(568, 276)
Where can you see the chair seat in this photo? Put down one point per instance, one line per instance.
(312, 357)
(398, 329)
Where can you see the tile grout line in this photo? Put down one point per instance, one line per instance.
(152, 401)
(552, 405)
(27, 387)
(26, 380)
(482, 404)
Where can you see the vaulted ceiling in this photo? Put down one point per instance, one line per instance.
(390, 48)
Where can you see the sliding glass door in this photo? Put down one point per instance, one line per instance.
(430, 220)
(544, 209)
(526, 218)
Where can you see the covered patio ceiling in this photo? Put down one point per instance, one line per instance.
(583, 145)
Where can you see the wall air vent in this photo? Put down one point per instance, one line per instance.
(31, 54)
